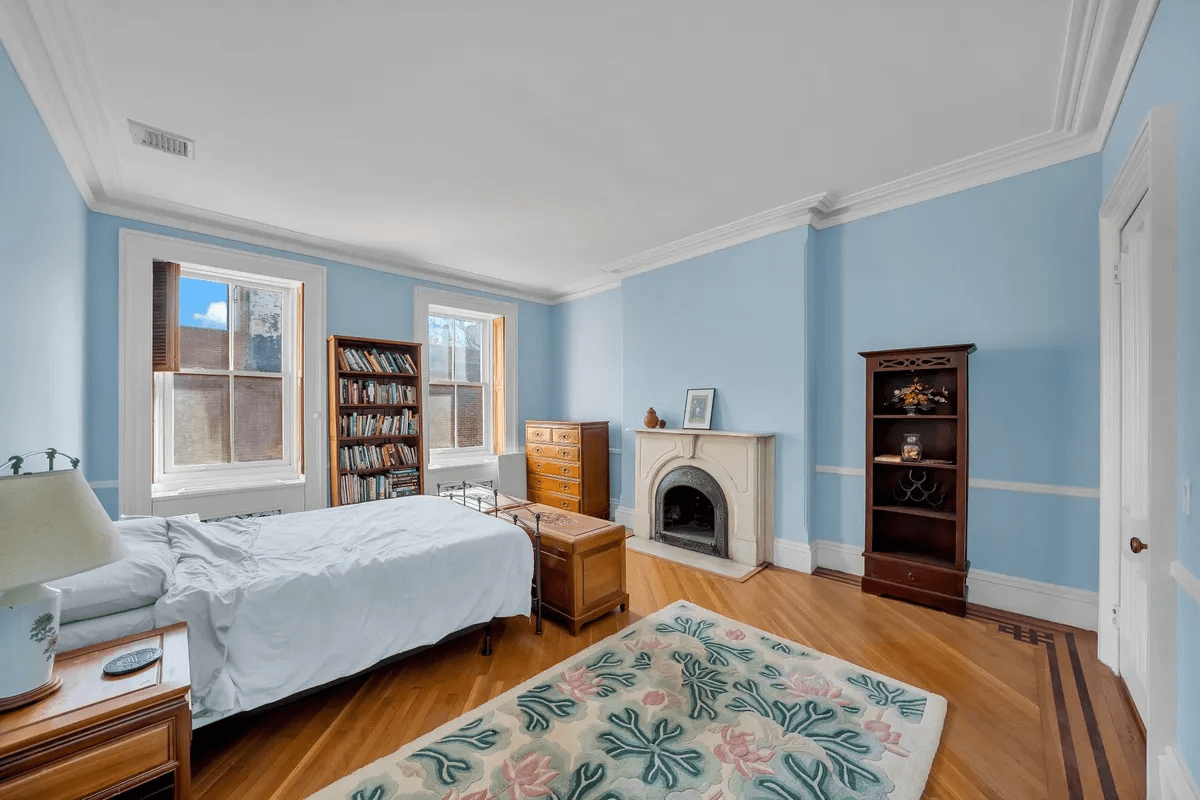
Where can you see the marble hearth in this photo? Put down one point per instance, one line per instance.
(741, 464)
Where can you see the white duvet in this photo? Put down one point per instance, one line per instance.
(277, 605)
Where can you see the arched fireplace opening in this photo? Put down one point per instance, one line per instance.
(690, 512)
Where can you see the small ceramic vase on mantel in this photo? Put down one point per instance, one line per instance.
(651, 420)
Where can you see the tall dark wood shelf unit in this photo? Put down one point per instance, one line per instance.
(381, 476)
(916, 550)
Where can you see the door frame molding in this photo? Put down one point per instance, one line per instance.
(1150, 171)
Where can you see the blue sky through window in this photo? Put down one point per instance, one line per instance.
(203, 304)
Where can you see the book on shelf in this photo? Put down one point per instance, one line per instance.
(386, 456)
(368, 391)
(406, 423)
(386, 486)
(385, 361)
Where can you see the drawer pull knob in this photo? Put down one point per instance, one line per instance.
(912, 577)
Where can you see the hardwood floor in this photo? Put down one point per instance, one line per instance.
(1032, 714)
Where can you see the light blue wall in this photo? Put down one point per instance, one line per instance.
(43, 223)
(1011, 266)
(733, 320)
(1168, 70)
(360, 302)
(587, 339)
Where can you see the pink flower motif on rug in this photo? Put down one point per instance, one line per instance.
(801, 686)
(735, 635)
(580, 683)
(884, 733)
(655, 697)
(529, 776)
(738, 748)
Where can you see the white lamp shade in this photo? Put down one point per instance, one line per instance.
(52, 526)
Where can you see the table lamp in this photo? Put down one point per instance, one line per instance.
(51, 526)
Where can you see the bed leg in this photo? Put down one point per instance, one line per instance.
(537, 566)
(487, 639)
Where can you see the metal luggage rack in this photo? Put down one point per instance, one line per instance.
(484, 497)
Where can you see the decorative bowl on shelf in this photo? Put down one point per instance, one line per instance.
(918, 396)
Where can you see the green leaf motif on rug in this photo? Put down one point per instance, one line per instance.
(718, 652)
(449, 768)
(542, 703)
(662, 763)
(704, 685)
(878, 693)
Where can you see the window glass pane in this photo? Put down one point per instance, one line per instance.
(257, 419)
(468, 350)
(257, 330)
(203, 324)
(201, 418)
(441, 416)
(440, 330)
(469, 415)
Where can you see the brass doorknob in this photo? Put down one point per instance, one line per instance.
(1137, 545)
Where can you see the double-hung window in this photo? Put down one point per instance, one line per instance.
(460, 383)
(228, 413)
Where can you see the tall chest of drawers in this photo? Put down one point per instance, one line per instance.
(567, 465)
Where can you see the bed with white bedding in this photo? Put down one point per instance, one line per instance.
(277, 605)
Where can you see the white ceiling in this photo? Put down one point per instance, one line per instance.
(536, 143)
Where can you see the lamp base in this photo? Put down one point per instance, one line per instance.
(16, 701)
(28, 641)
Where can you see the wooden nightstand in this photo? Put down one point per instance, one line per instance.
(100, 737)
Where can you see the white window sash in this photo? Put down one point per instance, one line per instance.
(171, 478)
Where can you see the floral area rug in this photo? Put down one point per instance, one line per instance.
(682, 705)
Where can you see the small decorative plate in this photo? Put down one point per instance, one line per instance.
(132, 662)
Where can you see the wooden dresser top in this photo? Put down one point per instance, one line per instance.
(87, 697)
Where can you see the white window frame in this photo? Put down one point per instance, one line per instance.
(423, 298)
(170, 478)
(138, 252)
(485, 372)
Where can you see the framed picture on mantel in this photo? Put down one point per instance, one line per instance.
(698, 408)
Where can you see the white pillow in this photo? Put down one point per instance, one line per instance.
(135, 581)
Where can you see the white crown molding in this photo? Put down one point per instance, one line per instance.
(567, 297)
(755, 226)
(241, 230)
(43, 42)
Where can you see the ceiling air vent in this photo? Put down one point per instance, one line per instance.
(161, 140)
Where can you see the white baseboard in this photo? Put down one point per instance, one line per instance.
(1062, 604)
(1174, 779)
(794, 555)
(624, 516)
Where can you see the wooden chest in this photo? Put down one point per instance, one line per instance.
(567, 465)
(583, 564)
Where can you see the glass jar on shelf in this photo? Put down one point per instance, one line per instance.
(910, 448)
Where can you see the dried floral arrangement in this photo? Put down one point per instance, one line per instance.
(918, 395)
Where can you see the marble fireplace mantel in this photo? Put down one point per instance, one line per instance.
(743, 464)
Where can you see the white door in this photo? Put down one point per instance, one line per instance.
(1134, 292)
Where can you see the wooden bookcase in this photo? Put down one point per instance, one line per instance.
(358, 401)
(916, 513)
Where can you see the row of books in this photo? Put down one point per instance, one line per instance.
(397, 483)
(354, 391)
(375, 457)
(403, 424)
(376, 360)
